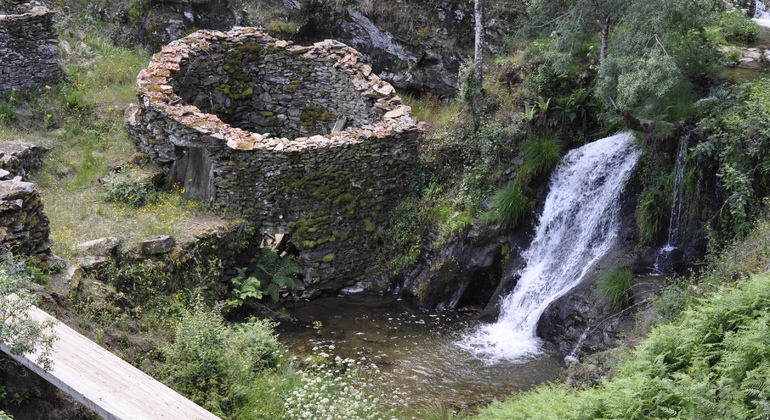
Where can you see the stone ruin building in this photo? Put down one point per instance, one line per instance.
(302, 140)
(29, 52)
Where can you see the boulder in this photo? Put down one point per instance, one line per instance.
(158, 245)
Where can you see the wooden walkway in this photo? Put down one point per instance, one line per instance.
(105, 383)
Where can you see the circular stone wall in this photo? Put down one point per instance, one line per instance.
(299, 140)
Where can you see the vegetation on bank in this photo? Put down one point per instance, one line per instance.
(710, 360)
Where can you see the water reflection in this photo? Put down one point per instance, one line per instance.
(416, 352)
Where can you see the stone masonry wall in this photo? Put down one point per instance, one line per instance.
(294, 171)
(24, 226)
(29, 54)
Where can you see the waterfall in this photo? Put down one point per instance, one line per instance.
(676, 203)
(761, 15)
(578, 225)
(676, 212)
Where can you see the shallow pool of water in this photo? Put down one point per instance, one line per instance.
(416, 352)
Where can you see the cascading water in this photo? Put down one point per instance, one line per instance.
(578, 225)
(676, 208)
(761, 15)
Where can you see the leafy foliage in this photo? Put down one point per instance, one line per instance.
(655, 49)
(738, 137)
(405, 232)
(207, 359)
(736, 27)
(615, 287)
(18, 330)
(129, 188)
(267, 277)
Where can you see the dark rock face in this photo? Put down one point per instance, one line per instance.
(417, 45)
(464, 273)
(581, 318)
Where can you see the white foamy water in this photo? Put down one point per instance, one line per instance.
(761, 15)
(578, 225)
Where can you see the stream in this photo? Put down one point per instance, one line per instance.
(416, 352)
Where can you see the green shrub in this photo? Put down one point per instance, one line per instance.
(736, 27)
(129, 188)
(510, 206)
(207, 360)
(403, 238)
(615, 287)
(266, 277)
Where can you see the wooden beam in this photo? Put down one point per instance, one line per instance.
(105, 383)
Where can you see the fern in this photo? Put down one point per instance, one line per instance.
(268, 277)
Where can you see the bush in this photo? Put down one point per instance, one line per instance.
(510, 206)
(615, 287)
(129, 188)
(267, 277)
(208, 360)
(736, 27)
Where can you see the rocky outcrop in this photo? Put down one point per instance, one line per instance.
(18, 158)
(416, 45)
(466, 272)
(327, 153)
(29, 54)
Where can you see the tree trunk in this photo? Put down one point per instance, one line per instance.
(605, 35)
(655, 129)
(478, 11)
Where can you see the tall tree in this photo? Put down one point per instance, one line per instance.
(649, 50)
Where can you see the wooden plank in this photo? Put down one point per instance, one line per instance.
(105, 383)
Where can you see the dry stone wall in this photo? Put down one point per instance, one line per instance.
(29, 54)
(299, 140)
(24, 226)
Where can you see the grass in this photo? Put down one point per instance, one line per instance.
(615, 287)
(510, 206)
(431, 110)
(83, 126)
(541, 154)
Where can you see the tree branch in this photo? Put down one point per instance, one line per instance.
(654, 127)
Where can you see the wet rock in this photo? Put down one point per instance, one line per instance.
(465, 272)
(580, 322)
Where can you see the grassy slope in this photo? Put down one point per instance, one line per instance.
(81, 120)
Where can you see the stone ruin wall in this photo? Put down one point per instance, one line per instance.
(24, 226)
(327, 154)
(29, 54)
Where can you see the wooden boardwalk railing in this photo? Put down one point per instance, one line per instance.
(106, 384)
